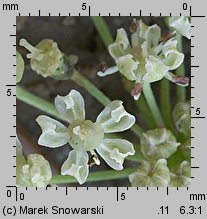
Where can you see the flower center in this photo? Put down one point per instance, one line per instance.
(85, 135)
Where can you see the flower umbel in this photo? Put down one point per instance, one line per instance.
(85, 136)
(147, 59)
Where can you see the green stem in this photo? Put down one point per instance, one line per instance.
(165, 103)
(92, 89)
(103, 30)
(150, 98)
(145, 112)
(37, 102)
(180, 91)
(94, 177)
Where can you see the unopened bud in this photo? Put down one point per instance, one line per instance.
(158, 143)
(151, 174)
(181, 175)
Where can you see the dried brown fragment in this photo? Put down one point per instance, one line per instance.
(133, 26)
(93, 160)
(183, 81)
(137, 89)
(169, 35)
(103, 66)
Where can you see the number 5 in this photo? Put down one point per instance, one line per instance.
(84, 6)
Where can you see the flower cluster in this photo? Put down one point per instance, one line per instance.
(157, 146)
(85, 136)
(33, 172)
(147, 58)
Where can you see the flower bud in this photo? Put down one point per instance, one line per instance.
(186, 149)
(182, 117)
(181, 175)
(151, 174)
(158, 143)
(48, 61)
(33, 172)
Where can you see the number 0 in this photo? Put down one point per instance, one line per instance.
(185, 6)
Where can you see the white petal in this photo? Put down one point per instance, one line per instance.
(114, 118)
(113, 151)
(76, 165)
(71, 106)
(182, 25)
(121, 44)
(173, 59)
(150, 33)
(127, 66)
(109, 71)
(155, 68)
(54, 134)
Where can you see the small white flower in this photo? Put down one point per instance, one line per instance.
(45, 58)
(85, 136)
(146, 59)
(181, 25)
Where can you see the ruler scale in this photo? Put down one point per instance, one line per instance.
(120, 202)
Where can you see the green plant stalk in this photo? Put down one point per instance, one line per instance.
(91, 88)
(94, 177)
(102, 29)
(150, 98)
(165, 103)
(145, 112)
(180, 91)
(37, 102)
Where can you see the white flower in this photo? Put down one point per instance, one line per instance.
(85, 136)
(45, 58)
(181, 25)
(146, 59)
